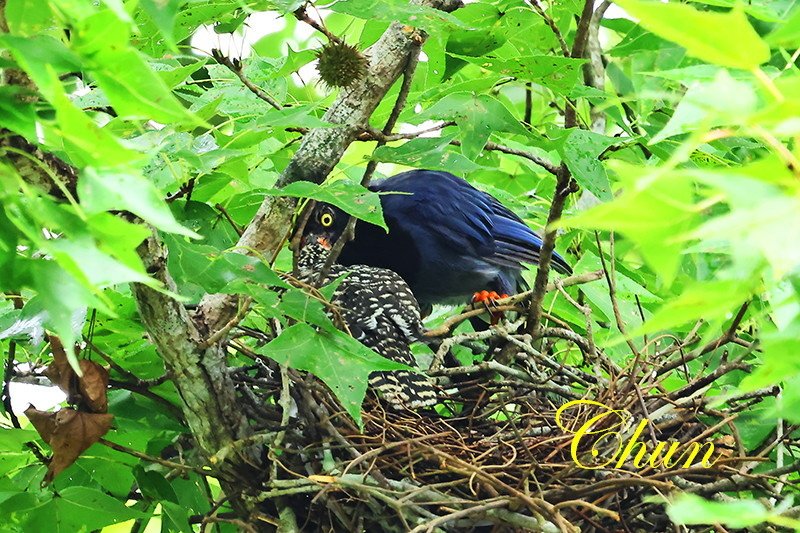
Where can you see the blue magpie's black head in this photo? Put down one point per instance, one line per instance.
(325, 221)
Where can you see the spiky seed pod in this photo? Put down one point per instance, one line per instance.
(340, 65)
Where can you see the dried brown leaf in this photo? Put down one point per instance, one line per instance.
(93, 387)
(43, 421)
(89, 393)
(69, 433)
(59, 371)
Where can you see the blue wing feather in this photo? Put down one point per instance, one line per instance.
(455, 211)
(463, 218)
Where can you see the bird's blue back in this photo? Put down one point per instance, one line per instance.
(465, 239)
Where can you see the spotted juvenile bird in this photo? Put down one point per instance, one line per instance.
(448, 240)
(380, 311)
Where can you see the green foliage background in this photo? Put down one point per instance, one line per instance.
(694, 168)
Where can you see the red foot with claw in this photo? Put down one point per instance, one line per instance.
(488, 299)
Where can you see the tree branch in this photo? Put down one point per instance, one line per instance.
(235, 66)
(565, 185)
(349, 231)
(207, 392)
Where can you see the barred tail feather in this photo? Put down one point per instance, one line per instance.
(402, 389)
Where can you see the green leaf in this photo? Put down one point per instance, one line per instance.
(174, 73)
(709, 301)
(218, 271)
(41, 56)
(478, 116)
(294, 60)
(121, 189)
(628, 292)
(580, 152)
(723, 101)
(28, 17)
(788, 33)
(689, 509)
(295, 116)
(163, 13)
(13, 439)
(81, 258)
(343, 363)
(133, 88)
(347, 195)
(78, 509)
(15, 114)
(654, 210)
(779, 359)
(424, 17)
(557, 73)
(725, 39)
(155, 486)
(428, 153)
(86, 143)
(788, 404)
(62, 297)
(303, 308)
(764, 217)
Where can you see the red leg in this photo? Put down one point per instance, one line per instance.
(488, 298)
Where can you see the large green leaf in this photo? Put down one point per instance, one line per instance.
(478, 117)
(779, 362)
(133, 88)
(218, 271)
(710, 301)
(63, 298)
(428, 153)
(557, 73)
(580, 152)
(690, 509)
(102, 189)
(725, 39)
(721, 101)
(163, 14)
(76, 509)
(764, 216)
(788, 33)
(347, 195)
(343, 363)
(28, 17)
(656, 211)
(424, 17)
(41, 56)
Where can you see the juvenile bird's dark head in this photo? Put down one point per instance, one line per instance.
(325, 224)
(314, 250)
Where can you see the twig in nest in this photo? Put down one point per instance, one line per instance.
(455, 515)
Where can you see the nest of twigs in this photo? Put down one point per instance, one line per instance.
(499, 454)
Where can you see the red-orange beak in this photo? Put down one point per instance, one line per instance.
(324, 242)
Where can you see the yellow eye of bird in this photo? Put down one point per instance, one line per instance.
(326, 219)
